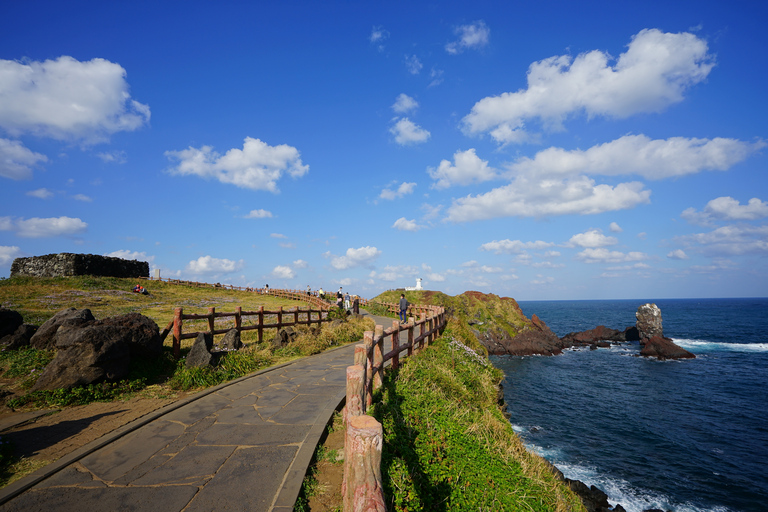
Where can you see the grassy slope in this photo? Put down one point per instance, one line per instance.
(447, 444)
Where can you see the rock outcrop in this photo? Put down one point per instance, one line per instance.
(20, 337)
(536, 339)
(10, 320)
(96, 351)
(664, 348)
(649, 321)
(200, 355)
(45, 337)
(70, 264)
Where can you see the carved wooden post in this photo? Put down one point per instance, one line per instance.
(177, 332)
(378, 356)
(280, 318)
(362, 489)
(211, 320)
(238, 318)
(355, 392)
(396, 345)
(423, 329)
(368, 340)
(360, 356)
(410, 338)
(261, 323)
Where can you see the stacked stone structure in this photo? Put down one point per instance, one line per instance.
(68, 264)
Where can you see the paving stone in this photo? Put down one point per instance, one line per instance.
(123, 499)
(303, 410)
(194, 465)
(197, 410)
(277, 397)
(244, 415)
(230, 434)
(71, 475)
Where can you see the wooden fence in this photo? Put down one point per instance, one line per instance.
(362, 484)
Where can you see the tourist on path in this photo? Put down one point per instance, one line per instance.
(403, 307)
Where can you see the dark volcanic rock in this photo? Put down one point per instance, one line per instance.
(230, 342)
(45, 337)
(96, 351)
(200, 353)
(9, 321)
(538, 339)
(20, 338)
(594, 499)
(284, 337)
(664, 348)
(649, 321)
(599, 333)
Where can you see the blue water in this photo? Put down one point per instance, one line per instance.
(689, 435)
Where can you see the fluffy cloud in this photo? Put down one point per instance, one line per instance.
(283, 272)
(653, 73)
(259, 214)
(404, 104)
(638, 154)
(403, 190)
(300, 264)
(40, 193)
(730, 240)
(406, 132)
(514, 246)
(8, 254)
(67, 99)
(539, 198)
(404, 224)
(677, 254)
(16, 161)
(378, 36)
(355, 258)
(592, 238)
(42, 228)
(413, 64)
(467, 168)
(603, 255)
(131, 255)
(471, 37)
(727, 208)
(258, 166)
(211, 265)
(615, 228)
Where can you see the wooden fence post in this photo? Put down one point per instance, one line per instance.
(396, 345)
(261, 323)
(355, 405)
(423, 329)
(368, 340)
(177, 332)
(378, 355)
(238, 318)
(362, 488)
(211, 320)
(280, 318)
(410, 338)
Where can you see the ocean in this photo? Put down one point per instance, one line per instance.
(687, 435)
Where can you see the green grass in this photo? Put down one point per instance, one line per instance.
(447, 445)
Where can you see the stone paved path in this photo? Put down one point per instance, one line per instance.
(244, 445)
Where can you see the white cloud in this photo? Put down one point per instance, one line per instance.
(603, 255)
(8, 253)
(378, 36)
(82, 197)
(727, 208)
(118, 157)
(468, 168)
(403, 190)
(404, 104)
(677, 254)
(435, 277)
(730, 240)
(16, 161)
(437, 77)
(42, 228)
(413, 64)
(355, 258)
(393, 273)
(283, 272)
(640, 155)
(277, 235)
(615, 228)
(473, 37)
(490, 270)
(406, 132)
(514, 246)
(258, 166)
(300, 264)
(592, 238)
(259, 214)
(653, 73)
(211, 265)
(40, 193)
(540, 198)
(404, 224)
(131, 255)
(67, 99)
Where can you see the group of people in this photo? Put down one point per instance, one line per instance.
(140, 289)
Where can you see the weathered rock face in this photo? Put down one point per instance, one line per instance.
(96, 351)
(20, 338)
(45, 337)
(200, 354)
(9, 321)
(536, 339)
(598, 334)
(284, 337)
(649, 321)
(69, 264)
(230, 342)
(664, 348)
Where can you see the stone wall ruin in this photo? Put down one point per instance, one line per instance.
(68, 264)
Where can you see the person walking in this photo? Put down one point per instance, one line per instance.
(346, 300)
(403, 307)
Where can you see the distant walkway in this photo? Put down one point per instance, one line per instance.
(243, 445)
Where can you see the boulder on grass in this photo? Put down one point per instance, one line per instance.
(284, 337)
(45, 337)
(200, 354)
(20, 338)
(98, 351)
(230, 342)
(10, 320)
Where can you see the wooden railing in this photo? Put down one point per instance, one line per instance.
(362, 485)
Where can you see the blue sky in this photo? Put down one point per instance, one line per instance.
(538, 150)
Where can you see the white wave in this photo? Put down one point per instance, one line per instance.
(619, 491)
(713, 346)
